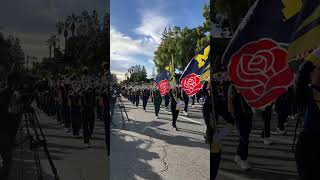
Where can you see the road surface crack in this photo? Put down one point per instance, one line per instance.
(163, 158)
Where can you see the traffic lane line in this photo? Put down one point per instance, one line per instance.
(186, 118)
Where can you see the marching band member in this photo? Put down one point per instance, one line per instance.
(157, 100)
(145, 97)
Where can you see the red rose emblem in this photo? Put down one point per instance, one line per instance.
(164, 87)
(191, 84)
(260, 72)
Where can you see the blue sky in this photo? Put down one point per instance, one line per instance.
(137, 25)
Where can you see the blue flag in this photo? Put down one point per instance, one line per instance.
(196, 72)
(162, 75)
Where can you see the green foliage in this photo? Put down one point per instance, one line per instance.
(182, 44)
(10, 53)
(137, 73)
(86, 42)
(227, 14)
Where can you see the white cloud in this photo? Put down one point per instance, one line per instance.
(121, 44)
(124, 49)
(152, 26)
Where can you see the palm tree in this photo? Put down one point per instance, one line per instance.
(73, 21)
(66, 32)
(52, 43)
(60, 27)
(49, 44)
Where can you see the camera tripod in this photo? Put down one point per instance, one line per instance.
(37, 139)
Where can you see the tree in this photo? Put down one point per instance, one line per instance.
(138, 74)
(73, 21)
(153, 75)
(143, 72)
(182, 44)
(52, 43)
(66, 33)
(89, 41)
(60, 27)
(114, 78)
(10, 53)
(230, 11)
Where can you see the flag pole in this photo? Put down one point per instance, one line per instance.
(215, 146)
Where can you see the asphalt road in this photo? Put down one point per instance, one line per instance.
(148, 148)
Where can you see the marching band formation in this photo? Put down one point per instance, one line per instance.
(76, 102)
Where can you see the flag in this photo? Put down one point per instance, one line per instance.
(306, 37)
(314, 57)
(162, 75)
(162, 81)
(196, 72)
(173, 81)
(257, 54)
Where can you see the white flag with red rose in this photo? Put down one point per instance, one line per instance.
(196, 72)
(257, 54)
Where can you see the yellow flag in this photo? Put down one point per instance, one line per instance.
(314, 56)
(173, 78)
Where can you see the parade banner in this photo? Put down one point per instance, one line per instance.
(196, 72)
(162, 81)
(257, 54)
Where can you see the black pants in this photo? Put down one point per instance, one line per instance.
(282, 118)
(215, 159)
(137, 100)
(266, 117)
(133, 100)
(186, 103)
(157, 109)
(307, 155)
(145, 101)
(66, 116)
(221, 109)
(88, 123)
(58, 112)
(75, 120)
(198, 97)
(193, 99)
(99, 112)
(244, 125)
(208, 115)
(166, 100)
(175, 114)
